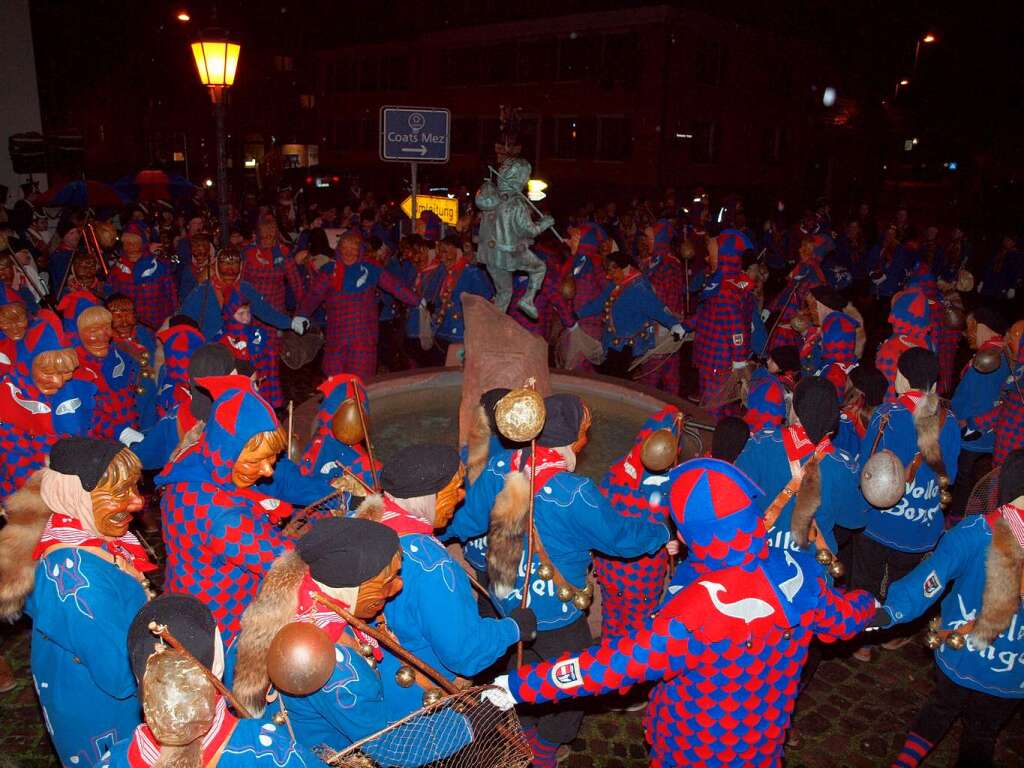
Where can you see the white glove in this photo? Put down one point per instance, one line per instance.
(678, 332)
(130, 436)
(739, 364)
(423, 303)
(500, 695)
(300, 324)
(765, 314)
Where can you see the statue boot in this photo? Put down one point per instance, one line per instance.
(526, 303)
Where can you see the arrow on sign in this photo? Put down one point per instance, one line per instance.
(421, 151)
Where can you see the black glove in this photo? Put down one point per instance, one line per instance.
(969, 435)
(526, 620)
(881, 620)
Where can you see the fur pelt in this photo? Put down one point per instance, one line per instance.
(1001, 599)
(372, 508)
(505, 533)
(808, 499)
(26, 519)
(190, 438)
(188, 756)
(274, 606)
(928, 424)
(479, 445)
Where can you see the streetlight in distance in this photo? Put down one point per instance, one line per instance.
(901, 84)
(183, 17)
(928, 39)
(217, 62)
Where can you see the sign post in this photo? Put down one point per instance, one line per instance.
(414, 135)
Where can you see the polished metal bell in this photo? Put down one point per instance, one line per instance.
(945, 498)
(405, 677)
(823, 556)
(836, 569)
(955, 641)
(988, 360)
(660, 450)
(366, 649)
(280, 718)
(932, 640)
(935, 624)
(582, 600)
(588, 589)
(565, 594)
(883, 480)
(545, 571)
(139, 389)
(144, 358)
(432, 696)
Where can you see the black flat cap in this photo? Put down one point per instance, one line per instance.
(347, 551)
(185, 617)
(83, 456)
(419, 470)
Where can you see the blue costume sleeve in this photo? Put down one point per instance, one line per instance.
(473, 517)
(289, 484)
(912, 595)
(652, 308)
(448, 616)
(596, 305)
(158, 442)
(758, 333)
(610, 533)
(847, 502)
(201, 305)
(352, 700)
(263, 311)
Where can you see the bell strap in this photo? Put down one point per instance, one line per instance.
(882, 424)
(771, 515)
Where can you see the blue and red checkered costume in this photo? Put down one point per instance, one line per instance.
(804, 276)
(911, 321)
(722, 327)
(326, 456)
(728, 647)
(219, 538)
(179, 343)
(588, 273)
(838, 353)
(114, 377)
(631, 589)
(1006, 418)
(945, 340)
(766, 401)
(268, 270)
(427, 286)
(30, 421)
(665, 274)
(350, 293)
(149, 284)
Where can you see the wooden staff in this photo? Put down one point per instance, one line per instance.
(385, 640)
(369, 444)
(161, 631)
(529, 546)
(291, 405)
(300, 517)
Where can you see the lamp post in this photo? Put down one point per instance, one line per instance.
(216, 62)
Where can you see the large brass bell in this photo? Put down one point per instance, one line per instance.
(346, 424)
(545, 572)
(883, 480)
(582, 600)
(565, 594)
(179, 702)
(955, 641)
(933, 641)
(835, 568)
(405, 677)
(823, 556)
(300, 659)
(432, 696)
(280, 718)
(660, 450)
(520, 415)
(988, 360)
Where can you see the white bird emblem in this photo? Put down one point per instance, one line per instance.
(69, 406)
(119, 366)
(748, 608)
(793, 584)
(32, 406)
(4, 359)
(364, 275)
(150, 270)
(329, 467)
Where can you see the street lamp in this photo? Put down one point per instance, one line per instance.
(901, 84)
(927, 40)
(217, 62)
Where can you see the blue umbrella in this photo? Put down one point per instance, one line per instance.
(83, 194)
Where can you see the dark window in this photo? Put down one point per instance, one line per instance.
(467, 66)
(575, 58)
(369, 74)
(710, 65)
(465, 135)
(498, 64)
(528, 137)
(368, 137)
(537, 60)
(449, 68)
(395, 73)
(619, 60)
(773, 145)
(489, 128)
(564, 137)
(614, 138)
(706, 143)
(344, 79)
(345, 134)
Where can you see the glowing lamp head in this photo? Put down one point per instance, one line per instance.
(535, 189)
(183, 16)
(929, 38)
(216, 61)
(828, 98)
(904, 82)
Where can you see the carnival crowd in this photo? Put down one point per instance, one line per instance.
(862, 378)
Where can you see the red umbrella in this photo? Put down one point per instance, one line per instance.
(84, 194)
(152, 185)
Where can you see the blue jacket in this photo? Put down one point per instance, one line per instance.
(1002, 275)
(430, 289)
(634, 314)
(846, 438)
(158, 442)
(958, 564)
(893, 276)
(916, 522)
(451, 326)
(474, 550)
(572, 518)
(405, 271)
(202, 306)
(81, 607)
(765, 460)
(435, 617)
(977, 394)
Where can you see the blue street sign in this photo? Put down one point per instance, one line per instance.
(410, 134)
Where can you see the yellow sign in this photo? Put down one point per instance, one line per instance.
(447, 210)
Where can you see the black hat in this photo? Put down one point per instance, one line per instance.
(816, 405)
(419, 470)
(188, 619)
(85, 457)
(871, 382)
(787, 357)
(346, 551)
(1011, 477)
(730, 437)
(489, 401)
(989, 317)
(830, 297)
(563, 418)
(182, 320)
(920, 367)
(208, 360)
